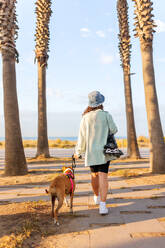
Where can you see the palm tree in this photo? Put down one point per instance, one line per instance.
(14, 153)
(144, 24)
(125, 54)
(43, 11)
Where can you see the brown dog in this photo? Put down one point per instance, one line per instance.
(61, 186)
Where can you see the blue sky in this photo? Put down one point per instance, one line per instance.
(83, 57)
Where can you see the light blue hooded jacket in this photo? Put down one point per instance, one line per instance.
(93, 133)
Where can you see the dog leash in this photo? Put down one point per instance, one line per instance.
(73, 162)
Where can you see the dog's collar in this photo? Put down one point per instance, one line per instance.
(69, 172)
(68, 169)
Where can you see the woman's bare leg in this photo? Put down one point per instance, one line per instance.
(103, 186)
(95, 182)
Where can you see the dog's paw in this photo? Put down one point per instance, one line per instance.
(66, 202)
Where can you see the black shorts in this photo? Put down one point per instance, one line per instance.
(101, 167)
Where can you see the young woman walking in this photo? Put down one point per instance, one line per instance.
(94, 128)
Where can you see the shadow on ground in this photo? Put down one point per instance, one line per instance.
(35, 218)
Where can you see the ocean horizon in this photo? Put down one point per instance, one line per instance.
(72, 138)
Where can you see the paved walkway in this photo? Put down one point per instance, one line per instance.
(61, 152)
(134, 220)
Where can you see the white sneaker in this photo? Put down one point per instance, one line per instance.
(103, 209)
(96, 199)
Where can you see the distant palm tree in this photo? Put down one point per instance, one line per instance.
(14, 153)
(125, 54)
(144, 30)
(43, 11)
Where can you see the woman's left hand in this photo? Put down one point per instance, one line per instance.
(76, 156)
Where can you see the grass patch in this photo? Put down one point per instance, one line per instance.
(142, 142)
(58, 143)
(49, 160)
(136, 212)
(147, 234)
(129, 172)
(15, 240)
(26, 226)
(39, 176)
(156, 207)
(125, 160)
(161, 219)
(97, 225)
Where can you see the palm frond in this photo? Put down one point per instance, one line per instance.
(144, 23)
(8, 27)
(124, 37)
(42, 36)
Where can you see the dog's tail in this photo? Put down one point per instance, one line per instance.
(52, 190)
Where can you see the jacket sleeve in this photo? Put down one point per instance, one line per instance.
(112, 126)
(81, 144)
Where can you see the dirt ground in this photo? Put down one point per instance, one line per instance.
(27, 224)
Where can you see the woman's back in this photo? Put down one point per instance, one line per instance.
(96, 125)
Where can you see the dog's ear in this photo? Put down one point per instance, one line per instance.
(47, 192)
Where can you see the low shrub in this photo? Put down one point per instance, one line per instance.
(58, 141)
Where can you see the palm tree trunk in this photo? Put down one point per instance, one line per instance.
(42, 143)
(157, 145)
(14, 153)
(132, 146)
